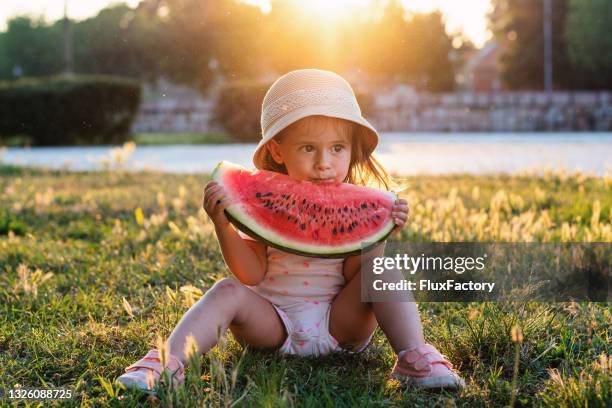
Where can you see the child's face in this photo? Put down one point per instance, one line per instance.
(321, 158)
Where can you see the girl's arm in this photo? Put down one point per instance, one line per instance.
(246, 260)
(352, 264)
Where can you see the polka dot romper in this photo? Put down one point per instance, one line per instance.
(301, 289)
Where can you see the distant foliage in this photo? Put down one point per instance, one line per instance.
(581, 49)
(519, 25)
(74, 110)
(412, 49)
(193, 41)
(31, 48)
(238, 109)
(590, 41)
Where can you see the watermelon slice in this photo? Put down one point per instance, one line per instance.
(319, 220)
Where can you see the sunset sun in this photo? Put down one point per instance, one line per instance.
(331, 10)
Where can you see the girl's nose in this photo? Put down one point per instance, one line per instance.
(323, 161)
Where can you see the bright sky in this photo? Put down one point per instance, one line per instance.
(468, 16)
(54, 9)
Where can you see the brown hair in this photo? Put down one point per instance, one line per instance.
(364, 169)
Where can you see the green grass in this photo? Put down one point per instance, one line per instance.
(16, 141)
(143, 139)
(72, 247)
(179, 138)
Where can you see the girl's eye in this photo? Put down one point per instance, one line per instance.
(308, 148)
(338, 148)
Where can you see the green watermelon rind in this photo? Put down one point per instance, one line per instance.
(241, 221)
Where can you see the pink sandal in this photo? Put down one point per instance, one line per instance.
(146, 373)
(425, 367)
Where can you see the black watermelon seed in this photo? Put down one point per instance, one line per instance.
(288, 217)
(345, 208)
(335, 232)
(342, 229)
(350, 228)
(338, 211)
(364, 205)
(293, 203)
(303, 201)
(258, 194)
(303, 226)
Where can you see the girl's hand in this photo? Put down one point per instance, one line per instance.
(399, 212)
(215, 202)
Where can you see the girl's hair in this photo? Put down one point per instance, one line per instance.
(364, 169)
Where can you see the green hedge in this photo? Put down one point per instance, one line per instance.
(69, 110)
(238, 108)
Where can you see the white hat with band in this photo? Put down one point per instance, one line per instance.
(308, 92)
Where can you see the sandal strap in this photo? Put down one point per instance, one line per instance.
(152, 362)
(151, 365)
(423, 357)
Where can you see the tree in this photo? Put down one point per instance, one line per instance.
(200, 36)
(519, 23)
(5, 63)
(31, 48)
(237, 39)
(119, 41)
(589, 40)
(415, 50)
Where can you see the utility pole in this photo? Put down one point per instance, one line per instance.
(548, 63)
(67, 42)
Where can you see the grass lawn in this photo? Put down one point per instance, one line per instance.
(144, 139)
(94, 268)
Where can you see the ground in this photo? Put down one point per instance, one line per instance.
(95, 268)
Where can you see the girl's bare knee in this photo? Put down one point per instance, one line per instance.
(228, 289)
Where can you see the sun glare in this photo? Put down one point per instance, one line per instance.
(466, 16)
(331, 10)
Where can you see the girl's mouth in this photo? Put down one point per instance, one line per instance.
(323, 181)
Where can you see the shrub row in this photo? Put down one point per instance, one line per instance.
(238, 108)
(69, 110)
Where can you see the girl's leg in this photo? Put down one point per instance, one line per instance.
(251, 318)
(228, 304)
(352, 322)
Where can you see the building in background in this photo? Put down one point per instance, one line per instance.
(481, 72)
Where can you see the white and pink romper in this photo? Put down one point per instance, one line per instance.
(301, 289)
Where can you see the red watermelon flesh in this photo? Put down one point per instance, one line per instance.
(323, 220)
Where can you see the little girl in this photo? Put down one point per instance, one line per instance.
(312, 130)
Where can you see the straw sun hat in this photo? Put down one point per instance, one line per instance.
(308, 92)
